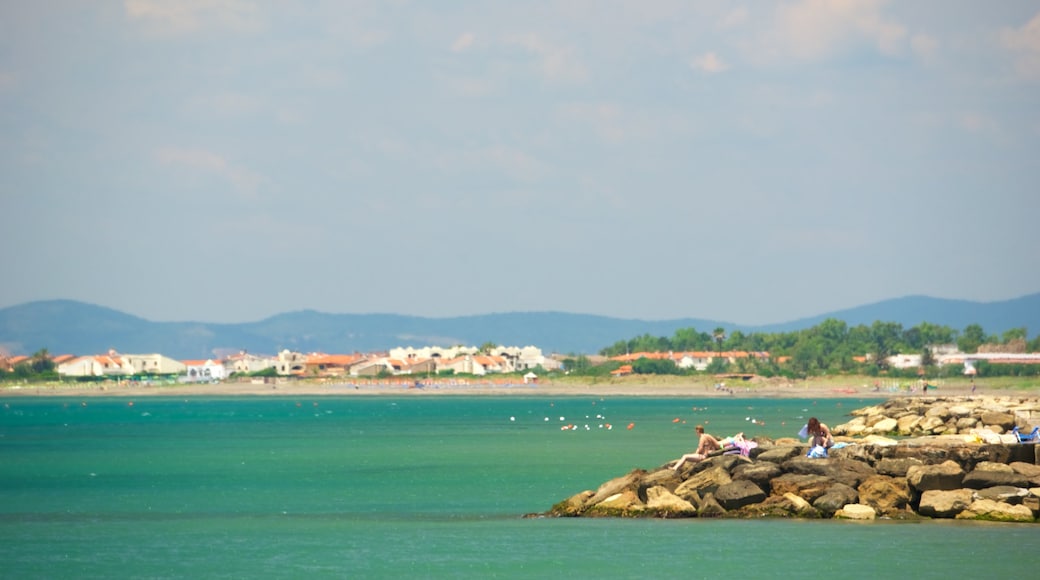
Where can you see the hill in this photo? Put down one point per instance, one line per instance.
(67, 326)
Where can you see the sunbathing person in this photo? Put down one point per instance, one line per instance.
(706, 445)
(820, 434)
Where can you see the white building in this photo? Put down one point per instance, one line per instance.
(204, 371)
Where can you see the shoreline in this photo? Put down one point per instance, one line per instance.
(642, 387)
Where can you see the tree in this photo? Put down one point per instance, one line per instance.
(885, 336)
(487, 347)
(972, 337)
(41, 362)
(1014, 334)
(719, 334)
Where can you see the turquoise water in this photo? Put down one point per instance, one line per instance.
(414, 486)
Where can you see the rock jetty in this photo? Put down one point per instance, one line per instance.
(956, 460)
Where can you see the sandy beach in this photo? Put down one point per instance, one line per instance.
(701, 387)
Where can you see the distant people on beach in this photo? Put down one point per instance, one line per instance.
(706, 445)
(819, 434)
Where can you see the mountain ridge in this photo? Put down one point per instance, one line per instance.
(70, 326)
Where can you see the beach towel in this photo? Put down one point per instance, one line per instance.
(817, 452)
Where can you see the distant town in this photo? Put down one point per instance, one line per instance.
(418, 364)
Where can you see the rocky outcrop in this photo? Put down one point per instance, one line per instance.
(989, 418)
(937, 476)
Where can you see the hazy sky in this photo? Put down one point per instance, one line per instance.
(752, 162)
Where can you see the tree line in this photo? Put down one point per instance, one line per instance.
(831, 347)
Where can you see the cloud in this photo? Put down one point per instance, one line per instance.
(558, 63)
(925, 47)
(1024, 44)
(821, 29)
(733, 18)
(463, 42)
(228, 104)
(187, 16)
(709, 63)
(509, 161)
(244, 181)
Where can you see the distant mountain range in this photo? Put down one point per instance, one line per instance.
(68, 326)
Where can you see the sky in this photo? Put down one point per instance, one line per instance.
(751, 162)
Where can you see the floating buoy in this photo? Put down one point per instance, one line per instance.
(631, 426)
(676, 420)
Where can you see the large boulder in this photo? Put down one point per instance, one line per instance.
(779, 454)
(666, 504)
(851, 472)
(628, 482)
(780, 506)
(739, 493)
(836, 496)
(572, 506)
(856, 511)
(896, 466)
(907, 424)
(1006, 421)
(710, 508)
(989, 474)
(948, 475)
(1005, 493)
(807, 487)
(885, 494)
(944, 503)
(987, 509)
(884, 426)
(761, 473)
(622, 504)
(1027, 470)
(705, 482)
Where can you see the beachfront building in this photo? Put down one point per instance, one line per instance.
(153, 364)
(204, 371)
(697, 360)
(291, 363)
(101, 365)
(330, 365)
(407, 352)
(525, 358)
(246, 363)
(469, 365)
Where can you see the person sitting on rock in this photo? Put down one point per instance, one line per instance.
(706, 445)
(819, 434)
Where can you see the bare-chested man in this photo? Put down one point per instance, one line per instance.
(707, 445)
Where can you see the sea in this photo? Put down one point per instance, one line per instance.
(396, 486)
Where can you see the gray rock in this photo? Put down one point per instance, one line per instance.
(760, 473)
(983, 478)
(945, 476)
(836, 497)
(848, 471)
(704, 482)
(1005, 493)
(896, 467)
(710, 508)
(739, 493)
(629, 481)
